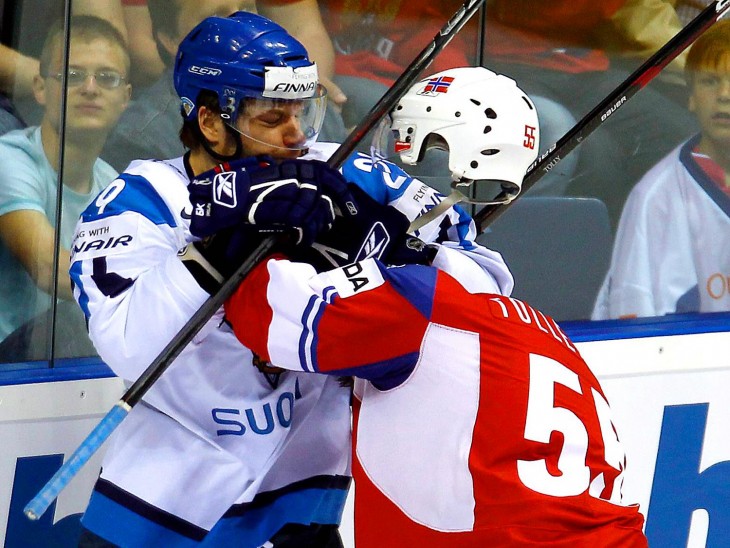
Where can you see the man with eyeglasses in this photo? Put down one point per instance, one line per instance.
(69, 143)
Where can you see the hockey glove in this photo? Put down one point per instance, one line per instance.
(297, 196)
(377, 231)
(215, 258)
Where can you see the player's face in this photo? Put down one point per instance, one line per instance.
(710, 102)
(272, 128)
(98, 91)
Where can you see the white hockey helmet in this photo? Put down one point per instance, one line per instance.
(487, 124)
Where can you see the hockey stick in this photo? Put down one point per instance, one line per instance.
(615, 100)
(45, 497)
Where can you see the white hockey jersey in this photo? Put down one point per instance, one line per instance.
(219, 453)
(672, 249)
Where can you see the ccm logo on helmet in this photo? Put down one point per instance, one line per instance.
(204, 71)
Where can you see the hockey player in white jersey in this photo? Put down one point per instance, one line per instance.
(224, 450)
(672, 250)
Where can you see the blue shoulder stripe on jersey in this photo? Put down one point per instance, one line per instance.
(312, 310)
(386, 374)
(75, 273)
(416, 283)
(138, 195)
(311, 316)
(384, 181)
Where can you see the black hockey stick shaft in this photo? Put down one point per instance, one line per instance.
(40, 503)
(409, 77)
(615, 100)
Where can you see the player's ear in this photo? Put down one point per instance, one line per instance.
(211, 125)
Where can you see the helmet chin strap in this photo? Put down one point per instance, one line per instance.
(217, 155)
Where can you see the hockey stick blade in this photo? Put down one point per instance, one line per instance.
(614, 101)
(45, 497)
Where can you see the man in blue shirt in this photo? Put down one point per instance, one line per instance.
(32, 158)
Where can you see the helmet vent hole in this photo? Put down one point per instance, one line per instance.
(428, 109)
(477, 103)
(400, 107)
(490, 152)
(457, 114)
(526, 100)
(490, 114)
(410, 130)
(474, 164)
(487, 129)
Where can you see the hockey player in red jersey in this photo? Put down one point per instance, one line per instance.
(477, 422)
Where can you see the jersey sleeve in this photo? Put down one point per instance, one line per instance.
(135, 292)
(339, 322)
(454, 229)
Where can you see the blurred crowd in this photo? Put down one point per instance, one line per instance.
(59, 150)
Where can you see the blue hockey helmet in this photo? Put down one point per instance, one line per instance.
(246, 56)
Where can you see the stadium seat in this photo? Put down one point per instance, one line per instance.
(558, 249)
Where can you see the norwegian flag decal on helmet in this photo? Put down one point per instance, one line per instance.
(438, 85)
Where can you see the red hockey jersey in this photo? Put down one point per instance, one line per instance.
(477, 422)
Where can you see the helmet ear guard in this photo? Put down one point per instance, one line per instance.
(487, 124)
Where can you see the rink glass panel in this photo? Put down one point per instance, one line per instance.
(557, 239)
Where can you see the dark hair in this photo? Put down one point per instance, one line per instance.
(190, 131)
(164, 17)
(85, 28)
(709, 50)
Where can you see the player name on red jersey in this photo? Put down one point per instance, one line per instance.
(517, 311)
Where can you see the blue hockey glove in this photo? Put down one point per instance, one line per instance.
(297, 196)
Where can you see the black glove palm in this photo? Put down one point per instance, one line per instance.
(377, 231)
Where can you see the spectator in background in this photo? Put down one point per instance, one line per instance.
(29, 178)
(302, 17)
(147, 66)
(672, 252)
(150, 126)
(576, 52)
(375, 42)
(32, 20)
